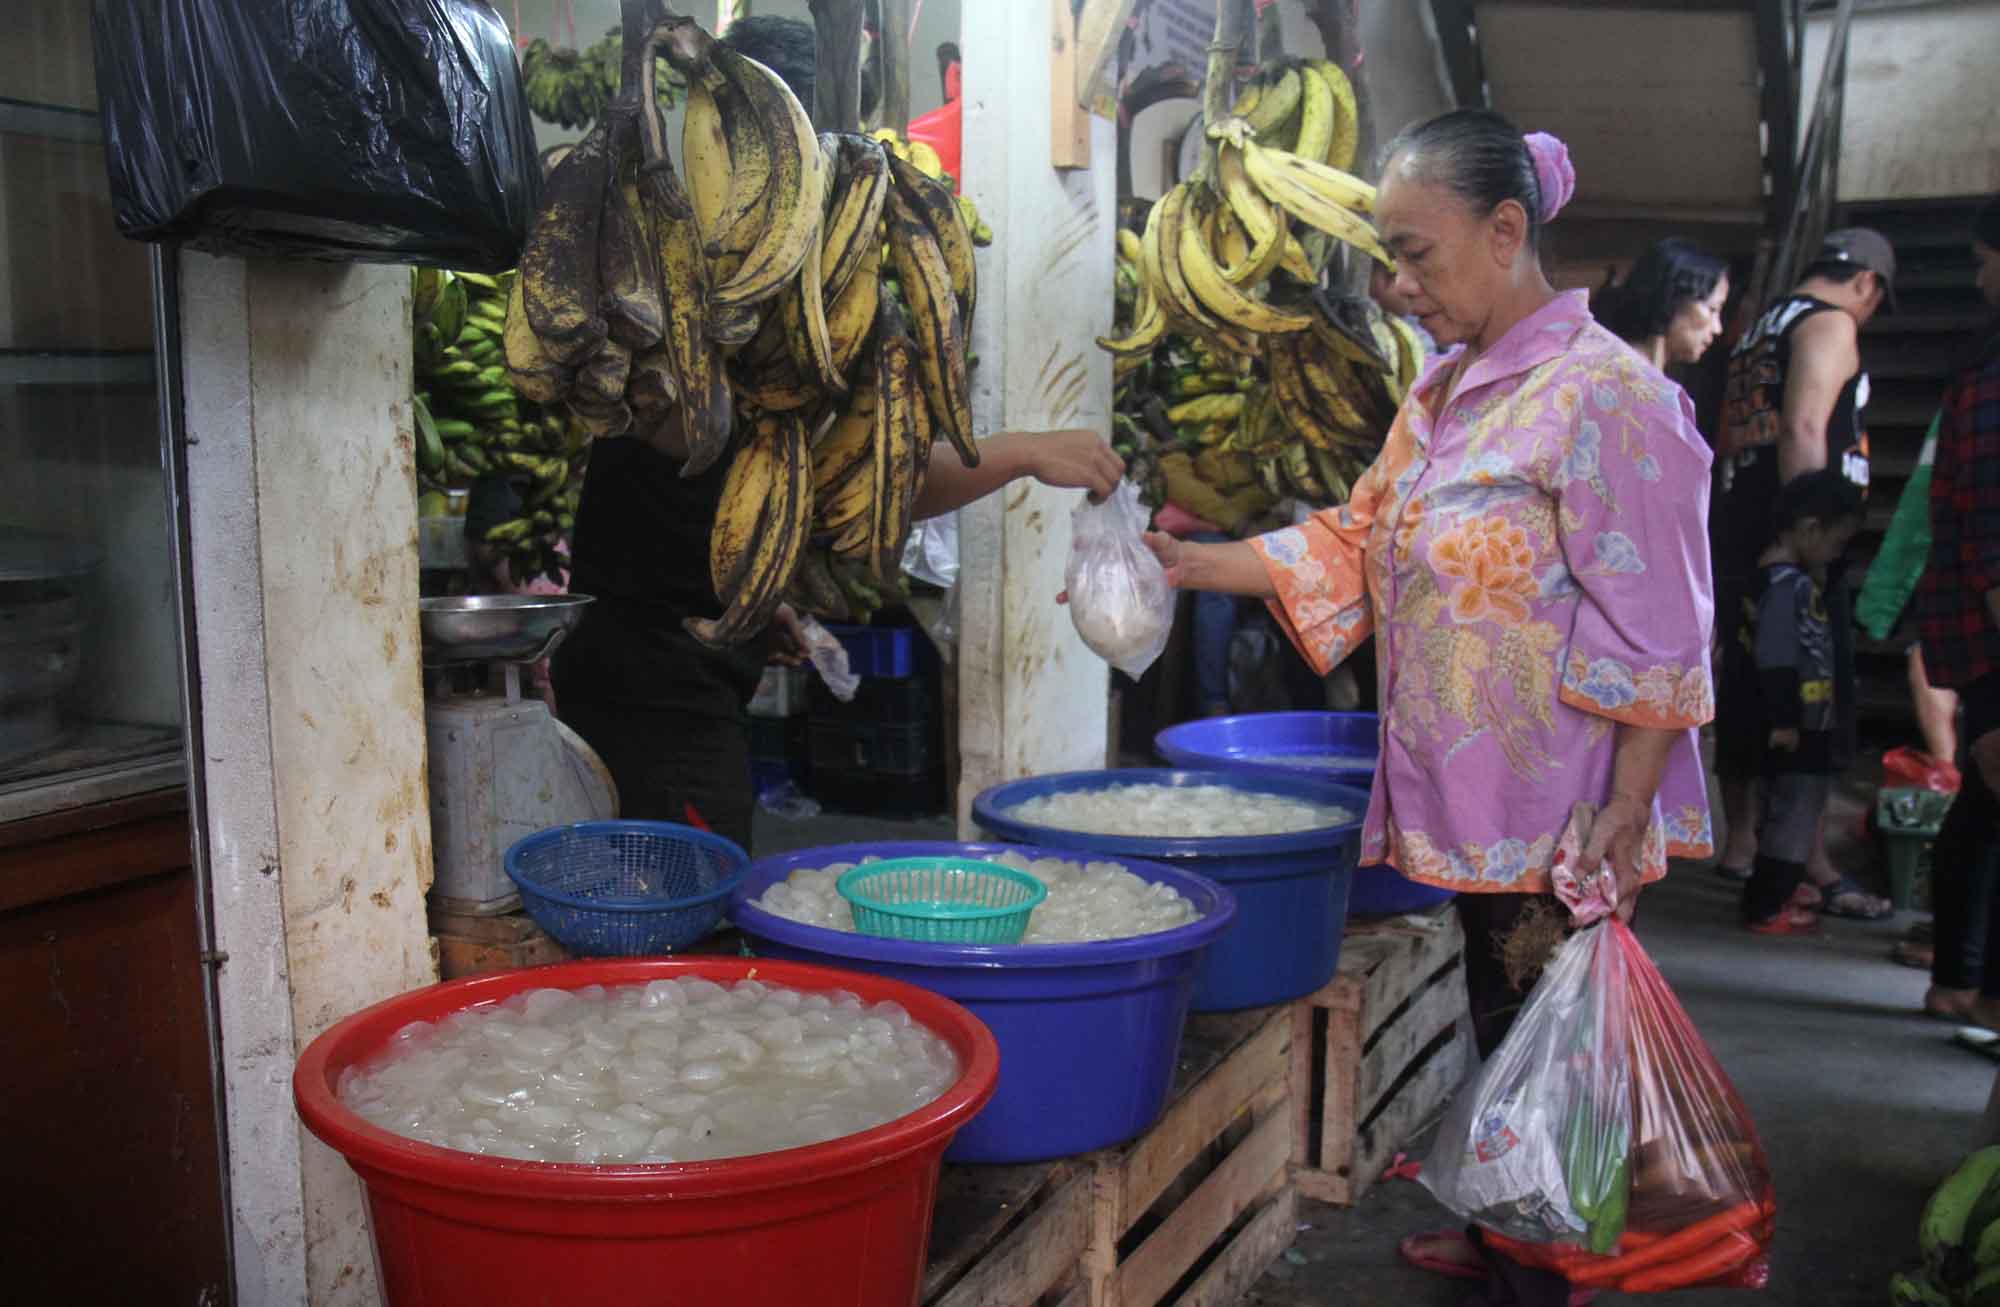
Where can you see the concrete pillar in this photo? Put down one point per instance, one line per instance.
(1032, 698)
(305, 576)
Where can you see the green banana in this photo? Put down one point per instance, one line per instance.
(1941, 1234)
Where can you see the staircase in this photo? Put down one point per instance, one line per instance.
(1909, 356)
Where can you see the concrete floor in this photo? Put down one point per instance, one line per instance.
(1862, 1103)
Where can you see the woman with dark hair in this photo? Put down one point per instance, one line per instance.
(1669, 306)
(1530, 552)
(1958, 617)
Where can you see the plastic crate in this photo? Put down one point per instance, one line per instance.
(889, 651)
(878, 793)
(898, 701)
(864, 746)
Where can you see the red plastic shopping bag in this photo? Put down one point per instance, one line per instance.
(1904, 767)
(1603, 1140)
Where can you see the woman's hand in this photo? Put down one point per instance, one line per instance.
(1076, 459)
(1617, 838)
(1171, 552)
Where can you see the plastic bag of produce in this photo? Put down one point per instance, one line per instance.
(1603, 1141)
(1118, 592)
(374, 131)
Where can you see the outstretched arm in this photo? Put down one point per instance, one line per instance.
(1076, 459)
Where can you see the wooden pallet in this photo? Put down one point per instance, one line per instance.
(472, 945)
(1190, 1213)
(1378, 1053)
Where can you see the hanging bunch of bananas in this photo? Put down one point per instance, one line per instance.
(573, 88)
(1220, 259)
(919, 155)
(799, 308)
(470, 423)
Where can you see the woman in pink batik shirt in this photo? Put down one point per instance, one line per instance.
(1530, 551)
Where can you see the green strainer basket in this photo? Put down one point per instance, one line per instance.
(941, 900)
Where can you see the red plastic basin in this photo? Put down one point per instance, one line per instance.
(843, 1223)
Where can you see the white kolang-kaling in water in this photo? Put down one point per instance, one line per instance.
(1086, 902)
(671, 1071)
(1176, 812)
(1314, 761)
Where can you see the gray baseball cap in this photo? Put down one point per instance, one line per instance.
(1864, 247)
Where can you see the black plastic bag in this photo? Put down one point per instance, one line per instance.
(366, 131)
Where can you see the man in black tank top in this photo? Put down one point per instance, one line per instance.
(1794, 404)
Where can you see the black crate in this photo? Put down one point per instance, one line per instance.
(865, 746)
(878, 793)
(902, 700)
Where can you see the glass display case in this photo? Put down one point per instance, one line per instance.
(90, 683)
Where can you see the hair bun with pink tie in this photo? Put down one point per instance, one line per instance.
(1555, 176)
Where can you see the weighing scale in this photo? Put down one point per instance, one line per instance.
(501, 766)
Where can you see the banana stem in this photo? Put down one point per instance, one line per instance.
(1221, 79)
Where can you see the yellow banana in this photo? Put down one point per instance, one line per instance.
(1276, 103)
(854, 223)
(628, 268)
(559, 262)
(775, 486)
(1224, 300)
(728, 159)
(1346, 137)
(1316, 109)
(1321, 197)
(535, 376)
(1128, 245)
(933, 202)
(851, 316)
(940, 333)
(797, 188)
(804, 308)
(703, 415)
(1263, 224)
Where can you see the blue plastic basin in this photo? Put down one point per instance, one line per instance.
(1089, 1033)
(1249, 742)
(1265, 743)
(1291, 890)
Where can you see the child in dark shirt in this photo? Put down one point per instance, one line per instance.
(1783, 661)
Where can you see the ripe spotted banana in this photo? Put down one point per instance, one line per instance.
(933, 202)
(559, 262)
(925, 280)
(854, 221)
(761, 530)
(798, 181)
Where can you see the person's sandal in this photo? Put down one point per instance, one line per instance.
(1871, 909)
(1792, 921)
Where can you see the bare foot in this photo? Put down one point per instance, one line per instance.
(1952, 1004)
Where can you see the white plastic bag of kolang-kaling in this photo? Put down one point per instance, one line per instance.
(1118, 592)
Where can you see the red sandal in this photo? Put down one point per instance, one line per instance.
(1792, 921)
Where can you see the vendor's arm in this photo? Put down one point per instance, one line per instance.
(1826, 354)
(1077, 459)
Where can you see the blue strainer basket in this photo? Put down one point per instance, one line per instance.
(625, 888)
(941, 900)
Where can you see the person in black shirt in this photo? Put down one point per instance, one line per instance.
(1794, 404)
(663, 710)
(1780, 666)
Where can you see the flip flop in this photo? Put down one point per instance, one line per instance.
(1830, 896)
(1735, 875)
(1979, 1039)
(1792, 921)
(1411, 1250)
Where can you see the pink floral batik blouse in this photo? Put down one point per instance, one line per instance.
(1531, 554)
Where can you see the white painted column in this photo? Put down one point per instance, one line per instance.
(1032, 698)
(305, 576)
